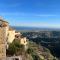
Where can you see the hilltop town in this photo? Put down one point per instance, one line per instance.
(7, 35)
(14, 46)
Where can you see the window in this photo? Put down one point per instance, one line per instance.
(24, 41)
(15, 59)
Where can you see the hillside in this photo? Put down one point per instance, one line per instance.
(40, 51)
(34, 52)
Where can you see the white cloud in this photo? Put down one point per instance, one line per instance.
(27, 14)
(44, 15)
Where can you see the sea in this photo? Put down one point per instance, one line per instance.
(23, 28)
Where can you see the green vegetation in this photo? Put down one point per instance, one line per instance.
(39, 52)
(34, 51)
(15, 48)
(33, 54)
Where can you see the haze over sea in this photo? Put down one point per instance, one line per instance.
(35, 28)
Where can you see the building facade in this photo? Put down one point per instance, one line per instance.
(3, 38)
(11, 35)
(23, 41)
(7, 35)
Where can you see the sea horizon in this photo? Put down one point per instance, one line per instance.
(35, 28)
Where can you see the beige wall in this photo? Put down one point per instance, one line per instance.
(3, 43)
(23, 41)
(11, 36)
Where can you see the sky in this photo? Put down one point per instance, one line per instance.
(34, 13)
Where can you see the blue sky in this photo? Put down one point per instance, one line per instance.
(37, 13)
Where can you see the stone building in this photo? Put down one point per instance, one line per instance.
(3, 37)
(11, 35)
(23, 40)
(7, 35)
